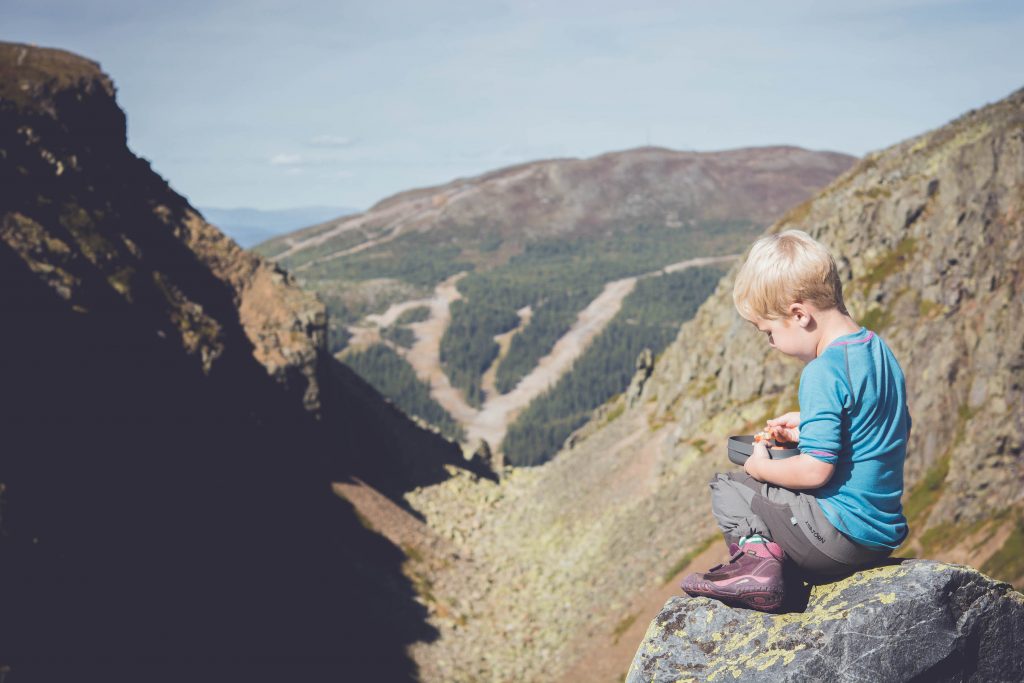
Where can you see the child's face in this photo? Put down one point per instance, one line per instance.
(789, 336)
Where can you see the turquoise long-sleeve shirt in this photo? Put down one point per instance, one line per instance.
(853, 414)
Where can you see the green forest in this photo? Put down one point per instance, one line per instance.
(415, 314)
(552, 317)
(468, 347)
(555, 276)
(650, 318)
(400, 335)
(558, 277)
(394, 378)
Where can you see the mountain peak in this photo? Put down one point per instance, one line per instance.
(32, 75)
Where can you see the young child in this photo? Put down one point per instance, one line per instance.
(836, 505)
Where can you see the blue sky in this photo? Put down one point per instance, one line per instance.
(271, 104)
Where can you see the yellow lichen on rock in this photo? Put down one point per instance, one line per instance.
(772, 656)
(772, 633)
(200, 333)
(824, 594)
(40, 251)
(967, 135)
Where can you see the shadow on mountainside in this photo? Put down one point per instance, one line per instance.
(149, 508)
(396, 456)
(152, 510)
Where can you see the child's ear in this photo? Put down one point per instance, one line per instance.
(800, 314)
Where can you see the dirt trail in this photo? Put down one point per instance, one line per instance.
(488, 381)
(605, 651)
(497, 413)
(608, 654)
(417, 211)
(362, 246)
(425, 354)
(367, 333)
(491, 421)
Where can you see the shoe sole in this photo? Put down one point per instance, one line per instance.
(760, 600)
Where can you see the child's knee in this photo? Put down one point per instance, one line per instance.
(716, 479)
(720, 488)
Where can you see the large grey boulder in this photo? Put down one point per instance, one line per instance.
(913, 621)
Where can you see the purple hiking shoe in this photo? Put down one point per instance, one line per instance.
(752, 578)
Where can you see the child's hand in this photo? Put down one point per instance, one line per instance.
(753, 463)
(785, 428)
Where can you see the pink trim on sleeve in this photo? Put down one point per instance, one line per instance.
(855, 341)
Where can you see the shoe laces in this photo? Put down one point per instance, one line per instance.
(735, 556)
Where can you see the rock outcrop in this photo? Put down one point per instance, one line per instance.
(644, 368)
(914, 621)
(76, 197)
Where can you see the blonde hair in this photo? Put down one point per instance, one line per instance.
(783, 269)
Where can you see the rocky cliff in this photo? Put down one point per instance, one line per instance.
(76, 197)
(171, 426)
(929, 236)
(914, 621)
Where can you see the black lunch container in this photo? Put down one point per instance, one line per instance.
(740, 448)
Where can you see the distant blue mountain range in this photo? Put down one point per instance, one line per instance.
(251, 226)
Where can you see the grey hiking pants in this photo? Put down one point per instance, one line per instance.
(743, 506)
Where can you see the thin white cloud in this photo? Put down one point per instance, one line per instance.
(285, 159)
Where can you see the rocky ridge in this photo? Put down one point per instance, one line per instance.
(929, 235)
(581, 197)
(919, 620)
(66, 127)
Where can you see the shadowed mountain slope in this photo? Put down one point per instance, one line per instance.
(171, 424)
